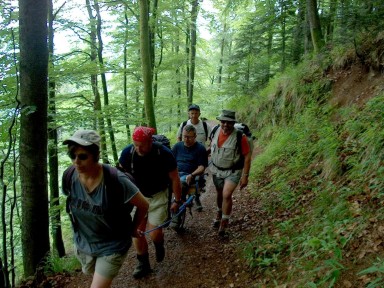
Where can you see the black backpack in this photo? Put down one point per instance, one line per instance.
(205, 128)
(162, 139)
(117, 210)
(245, 129)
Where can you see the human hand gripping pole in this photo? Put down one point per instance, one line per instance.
(181, 209)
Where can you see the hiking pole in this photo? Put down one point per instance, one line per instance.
(181, 209)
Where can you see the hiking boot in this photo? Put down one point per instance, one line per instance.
(160, 251)
(198, 207)
(216, 222)
(175, 223)
(223, 227)
(143, 268)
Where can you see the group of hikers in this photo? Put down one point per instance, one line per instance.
(101, 199)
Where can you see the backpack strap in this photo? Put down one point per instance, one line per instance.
(183, 125)
(205, 130)
(66, 180)
(239, 135)
(213, 131)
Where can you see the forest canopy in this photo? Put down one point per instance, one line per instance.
(109, 66)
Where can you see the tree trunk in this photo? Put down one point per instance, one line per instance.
(33, 132)
(146, 63)
(53, 162)
(125, 88)
(222, 46)
(104, 82)
(192, 60)
(314, 24)
(298, 34)
(99, 120)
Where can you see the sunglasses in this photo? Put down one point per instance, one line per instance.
(227, 122)
(81, 156)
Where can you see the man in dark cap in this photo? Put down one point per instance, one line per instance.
(203, 130)
(230, 165)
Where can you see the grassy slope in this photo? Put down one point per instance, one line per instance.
(320, 173)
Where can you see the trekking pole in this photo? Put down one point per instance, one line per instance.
(181, 209)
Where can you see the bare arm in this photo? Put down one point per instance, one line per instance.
(176, 188)
(141, 205)
(199, 170)
(246, 169)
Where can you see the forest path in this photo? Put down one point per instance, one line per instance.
(198, 257)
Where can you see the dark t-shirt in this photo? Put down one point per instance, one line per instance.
(189, 158)
(151, 171)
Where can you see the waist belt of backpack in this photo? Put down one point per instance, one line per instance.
(224, 169)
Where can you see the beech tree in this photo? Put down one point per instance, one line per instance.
(146, 63)
(315, 27)
(33, 132)
(53, 161)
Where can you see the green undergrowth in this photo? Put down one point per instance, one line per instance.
(315, 160)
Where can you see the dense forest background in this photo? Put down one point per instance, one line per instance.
(111, 65)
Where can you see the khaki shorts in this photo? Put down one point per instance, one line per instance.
(107, 266)
(233, 177)
(158, 208)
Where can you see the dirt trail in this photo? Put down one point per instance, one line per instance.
(198, 257)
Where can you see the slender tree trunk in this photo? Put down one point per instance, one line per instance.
(315, 27)
(298, 35)
(53, 162)
(33, 132)
(125, 88)
(331, 20)
(222, 46)
(104, 81)
(283, 35)
(192, 61)
(146, 63)
(187, 59)
(99, 119)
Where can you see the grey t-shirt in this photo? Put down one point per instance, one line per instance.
(93, 234)
(200, 132)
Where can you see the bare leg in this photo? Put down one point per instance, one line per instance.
(228, 189)
(99, 281)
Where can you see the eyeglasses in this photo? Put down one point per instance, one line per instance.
(227, 122)
(188, 137)
(81, 156)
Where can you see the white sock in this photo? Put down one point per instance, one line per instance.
(225, 216)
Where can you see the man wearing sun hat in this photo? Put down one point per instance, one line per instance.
(153, 167)
(230, 165)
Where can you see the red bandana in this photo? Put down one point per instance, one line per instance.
(143, 134)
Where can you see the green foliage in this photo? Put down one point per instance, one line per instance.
(314, 159)
(377, 269)
(56, 264)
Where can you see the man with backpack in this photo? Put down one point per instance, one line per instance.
(154, 168)
(203, 130)
(230, 165)
(99, 202)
